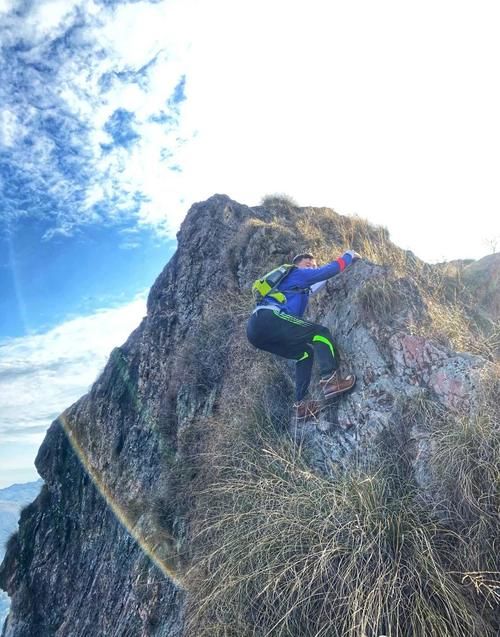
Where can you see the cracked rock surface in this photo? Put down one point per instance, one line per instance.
(97, 551)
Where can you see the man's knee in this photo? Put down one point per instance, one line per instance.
(324, 331)
(322, 338)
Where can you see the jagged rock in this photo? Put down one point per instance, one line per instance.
(390, 364)
(102, 550)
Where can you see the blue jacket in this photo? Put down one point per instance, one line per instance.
(297, 285)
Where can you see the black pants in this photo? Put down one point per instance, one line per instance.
(291, 337)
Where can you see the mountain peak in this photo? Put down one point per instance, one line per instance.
(181, 497)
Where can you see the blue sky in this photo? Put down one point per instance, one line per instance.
(47, 281)
(78, 251)
(117, 115)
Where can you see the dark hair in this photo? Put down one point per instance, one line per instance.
(303, 255)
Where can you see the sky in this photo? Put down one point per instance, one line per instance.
(117, 115)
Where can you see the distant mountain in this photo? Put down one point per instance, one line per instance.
(9, 514)
(477, 283)
(21, 493)
(12, 500)
(482, 277)
(4, 606)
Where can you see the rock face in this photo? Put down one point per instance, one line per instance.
(390, 363)
(103, 549)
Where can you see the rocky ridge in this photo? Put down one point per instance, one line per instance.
(105, 547)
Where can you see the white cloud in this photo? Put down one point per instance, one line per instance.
(10, 128)
(50, 17)
(42, 374)
(33, 22)
(385, 109)
(80, 62)
(137, 34)
(6, 6)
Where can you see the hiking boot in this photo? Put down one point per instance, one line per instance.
(306, 409)
(335, 384)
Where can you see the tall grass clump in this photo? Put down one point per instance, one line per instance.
(278, 199)
(465, 466)
(282, 551)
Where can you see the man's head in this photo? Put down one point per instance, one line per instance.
(304, 260)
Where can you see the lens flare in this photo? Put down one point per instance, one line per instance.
(118, 508)
(16, 283)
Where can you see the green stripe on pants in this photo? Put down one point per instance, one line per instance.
(290, 319)
(323, 339)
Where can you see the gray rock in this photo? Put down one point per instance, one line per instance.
(102, 549)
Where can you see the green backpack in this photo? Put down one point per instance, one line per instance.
(266, 286)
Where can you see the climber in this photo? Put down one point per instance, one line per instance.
(276, 326)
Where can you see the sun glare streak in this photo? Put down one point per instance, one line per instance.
(118, 509)
(17, 285)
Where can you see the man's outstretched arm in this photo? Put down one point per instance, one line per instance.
(305, 277)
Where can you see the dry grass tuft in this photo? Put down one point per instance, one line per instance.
(283, 551)
(466, 470)
(278, 199)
